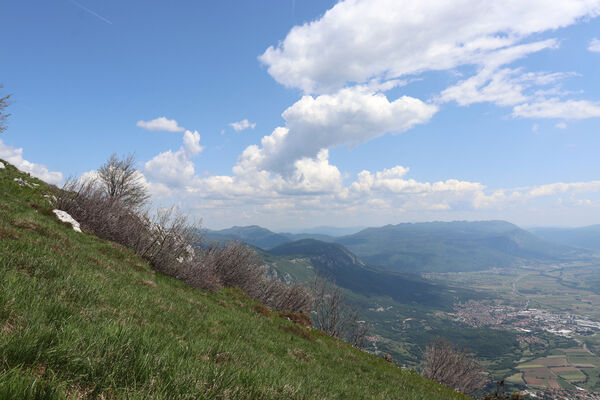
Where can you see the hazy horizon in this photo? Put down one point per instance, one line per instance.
(311, 229)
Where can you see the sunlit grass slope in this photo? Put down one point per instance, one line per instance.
(81, 317)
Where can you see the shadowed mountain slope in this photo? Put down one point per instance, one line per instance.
(350, 272)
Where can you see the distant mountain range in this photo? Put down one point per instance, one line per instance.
(331, 230)
(453, 246)
(430, 246)
(253, 235)
(587, 237)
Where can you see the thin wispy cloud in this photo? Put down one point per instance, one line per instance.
(92, 12)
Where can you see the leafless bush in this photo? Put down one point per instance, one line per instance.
(453, 367)
(4, 102)
(280, 296)
(334, 316)
(119, 180)
(110, 206)
(357, 331)
(237, 265)
(105, 217)
(164, 240)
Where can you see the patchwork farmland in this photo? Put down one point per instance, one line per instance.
(565, 369)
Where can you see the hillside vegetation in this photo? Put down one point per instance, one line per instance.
(350, 272)
(452, 246)
(82, 317)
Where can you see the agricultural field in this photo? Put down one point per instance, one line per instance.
(564, 369)
(554, 309)
(561, 288)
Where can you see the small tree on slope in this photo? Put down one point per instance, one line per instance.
(121, 181)
(453, 367)
(4, 102)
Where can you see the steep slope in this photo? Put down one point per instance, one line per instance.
(82, 317)
(253, 235)
(452, 246)
(587, 237)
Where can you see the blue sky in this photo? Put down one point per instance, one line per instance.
(347, 113)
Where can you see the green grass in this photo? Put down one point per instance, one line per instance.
(572, 375)
(85, 318)
(516, 379)
(530, 365)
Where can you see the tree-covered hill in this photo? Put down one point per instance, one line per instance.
(253, 235)
(350, 272)
(453, 246)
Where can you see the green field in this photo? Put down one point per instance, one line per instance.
(529, 365)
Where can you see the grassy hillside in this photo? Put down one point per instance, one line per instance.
(85, 318)
(452, 246)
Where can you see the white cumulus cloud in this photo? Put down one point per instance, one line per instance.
(357, 40)
(242, 125)
(15, 157)
(349, 117)
(160, 124)
(175, 168)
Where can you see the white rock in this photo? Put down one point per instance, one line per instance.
(21, 182)
(65, 217)
(51, 198)
(1, 165)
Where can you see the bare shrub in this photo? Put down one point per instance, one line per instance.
(106, 218)
(119, 180)
(163, 240)
(110, 206)
(237, 265)
(357, 331)
(334, 316)
(281, 296)
(453, 367)
(4, 103)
